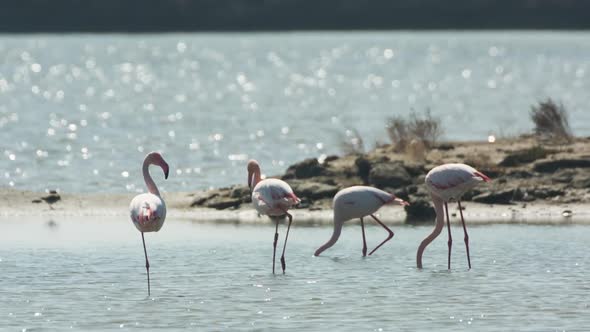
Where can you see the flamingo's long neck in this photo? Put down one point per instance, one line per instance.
(255, 179)
(333, 239)
(149, 182)
(440, 222)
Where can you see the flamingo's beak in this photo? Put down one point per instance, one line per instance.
(483, 176)
(166, 169)
(250, 179)
(401, 202)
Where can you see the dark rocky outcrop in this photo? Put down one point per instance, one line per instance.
(525, 156)
(545, 192)
(221, 203)
(502, 196)
(581, 181)
(363, 166)
(389, 175)
(305, 169)
(419, 210)
(547, 166)
(563, 179)
(313, 190)
(564, 175)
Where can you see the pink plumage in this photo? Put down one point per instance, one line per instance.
(447, 183)
(272, 197)
(358, 202)
(148, 211)
(451, 181)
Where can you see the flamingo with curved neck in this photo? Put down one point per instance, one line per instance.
(272, 197)
(148, 211)
(447, 183)
(359, 202)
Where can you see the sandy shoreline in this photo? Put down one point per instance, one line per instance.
(530, 184)
(18, 203)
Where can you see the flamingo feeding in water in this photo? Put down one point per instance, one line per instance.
(358, 202)
(272, 197)
(148, 210)
(447, 183)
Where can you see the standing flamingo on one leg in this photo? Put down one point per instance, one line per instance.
(358, 202)
(272, 197)
(148, 210)
(447, 183)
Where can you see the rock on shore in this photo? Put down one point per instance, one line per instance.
(522, 171)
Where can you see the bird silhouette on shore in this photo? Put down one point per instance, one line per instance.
(52, 198)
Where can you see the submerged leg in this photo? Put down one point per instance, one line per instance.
(283, 265)
(388, 237)
(364, 238)
(466, 238)
(274, 245)
(147, 263)
(450, 242)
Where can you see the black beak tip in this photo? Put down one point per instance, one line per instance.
(166, 175)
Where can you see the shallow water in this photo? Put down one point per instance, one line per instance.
(79, 112)
(89, 274)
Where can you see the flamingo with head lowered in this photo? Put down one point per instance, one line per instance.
(359, 202)
(272, 197)
(148, 210)
(447, 183)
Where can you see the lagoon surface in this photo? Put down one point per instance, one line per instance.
(88, 273)
(79, 112)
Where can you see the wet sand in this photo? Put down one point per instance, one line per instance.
(17, 203)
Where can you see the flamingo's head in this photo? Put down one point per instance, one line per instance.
(155, 158)
(253, 173)
(400, 201)
(482, 176)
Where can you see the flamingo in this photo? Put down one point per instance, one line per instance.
(447, 183)
(272, 197)
(148, 211)
(359, 202)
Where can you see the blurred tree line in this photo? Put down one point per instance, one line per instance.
(261, 15)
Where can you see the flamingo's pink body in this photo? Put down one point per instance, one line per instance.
(271, 197)
(447, 183)
(358, 202)
(148, 211)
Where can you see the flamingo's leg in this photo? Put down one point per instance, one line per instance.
(274, 245)
(364, 238)
(388, 237)
(147, 263)
(283, 265)
(450, 242)
(466, 238)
